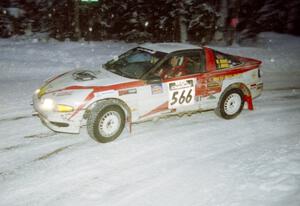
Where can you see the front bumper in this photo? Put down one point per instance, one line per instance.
(56, 121)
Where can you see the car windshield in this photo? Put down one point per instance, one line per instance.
(134, 63)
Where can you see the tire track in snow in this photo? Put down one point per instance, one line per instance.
(15, 118)
(11, 147)
(14, 171)
(41, 135)
(54, 152)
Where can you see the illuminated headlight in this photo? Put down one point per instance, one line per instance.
(37, 91)
(48, 104)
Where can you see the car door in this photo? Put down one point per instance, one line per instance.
(152, 99)
(174, 89)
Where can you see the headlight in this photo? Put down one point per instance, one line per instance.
(64, 108)
(37, 91)
(48, 104)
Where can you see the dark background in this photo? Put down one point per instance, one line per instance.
(147, 20)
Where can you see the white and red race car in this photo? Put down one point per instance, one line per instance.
(146, 82)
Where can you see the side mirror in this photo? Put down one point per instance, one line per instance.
(153, 79)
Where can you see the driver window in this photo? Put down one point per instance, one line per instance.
(181, 65)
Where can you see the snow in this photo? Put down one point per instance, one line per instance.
(197, 160)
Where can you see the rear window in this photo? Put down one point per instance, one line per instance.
(225, 61)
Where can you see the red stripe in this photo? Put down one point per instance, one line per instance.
(237, 70)
(104, 88)
(160, 108)
(86, 100)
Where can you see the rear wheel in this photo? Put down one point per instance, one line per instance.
(106, 123)
(231, 104)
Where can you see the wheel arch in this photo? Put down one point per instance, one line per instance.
(238, 85)
(245, 90)
(110, 101)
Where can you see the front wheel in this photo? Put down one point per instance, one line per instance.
(105, 124)
(231, 104)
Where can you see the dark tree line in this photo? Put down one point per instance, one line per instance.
(146, 20)
(269, 15)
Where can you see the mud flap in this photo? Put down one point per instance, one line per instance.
(248, 99)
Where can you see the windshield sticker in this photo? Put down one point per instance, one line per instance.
(146, 50)
(156, 88)
(181, 93)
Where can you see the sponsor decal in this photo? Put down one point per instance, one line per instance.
(181, 93)
(156, 88)
(223, 63)
(219, 78)
(227, 76)
(127, 91)
(181, 84)
(213, 84)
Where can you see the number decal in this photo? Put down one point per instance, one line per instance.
(182, 97)
(189, 96)
(174, 98)
(181, 93)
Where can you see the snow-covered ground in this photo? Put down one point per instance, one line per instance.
(198, 160)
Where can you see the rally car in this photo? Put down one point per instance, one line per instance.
(147, 82)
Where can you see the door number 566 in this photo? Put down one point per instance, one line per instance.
(182, 97)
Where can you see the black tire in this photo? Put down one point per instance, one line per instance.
(227, 101)
(99, 115)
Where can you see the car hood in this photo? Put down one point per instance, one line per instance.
(84, 78)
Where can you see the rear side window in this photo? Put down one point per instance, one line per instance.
(225, 61)
(195, 63)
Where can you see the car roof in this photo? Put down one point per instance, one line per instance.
(169, 47)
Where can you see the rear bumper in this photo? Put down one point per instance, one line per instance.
(256, 89)
(56, 121)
